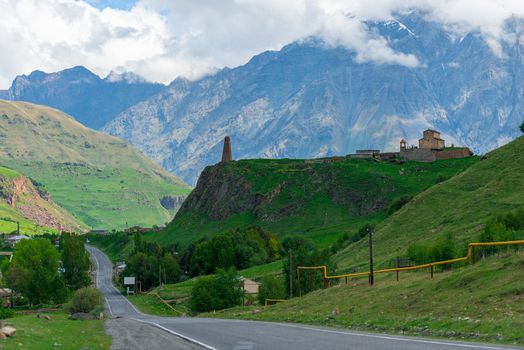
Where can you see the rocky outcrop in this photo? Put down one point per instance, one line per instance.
(172, 203)
(220, 193)
(34, 203)
(230, 188)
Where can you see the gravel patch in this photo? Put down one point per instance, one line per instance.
(133, 335)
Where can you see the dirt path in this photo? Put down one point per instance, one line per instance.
(133, 335)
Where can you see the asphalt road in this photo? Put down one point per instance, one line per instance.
(246, 335)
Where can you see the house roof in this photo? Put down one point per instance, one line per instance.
(250, 286)
(17, 238)
(5, 292)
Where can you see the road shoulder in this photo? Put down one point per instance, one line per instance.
(129, 334)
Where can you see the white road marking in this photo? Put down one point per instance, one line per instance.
(474, 346)
(177, 334)
(123, 299)
(424, 341)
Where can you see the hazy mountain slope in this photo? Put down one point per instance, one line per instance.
(98, 178)
(21, 201)
(84, 95)
(309, 100)
(460, 206)
(295, 197)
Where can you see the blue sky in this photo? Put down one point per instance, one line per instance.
(116, 4)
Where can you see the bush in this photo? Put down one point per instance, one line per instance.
(522, 127)
(217, 292)
(85, 300)
(399, 203)
(6, 313)
(506, 227)
(363, 232)
(271, 288)
(443, 249)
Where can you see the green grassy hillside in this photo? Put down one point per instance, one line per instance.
(295, 197)
(101, 180)
(21, 202)
(481, 302)
(460, 207)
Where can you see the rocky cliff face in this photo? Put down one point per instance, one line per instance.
(309, 198)
(172, 203)
(308, 100)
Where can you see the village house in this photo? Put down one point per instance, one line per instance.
(11, 241)
(100, 231)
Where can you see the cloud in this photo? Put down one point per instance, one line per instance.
(161, 39)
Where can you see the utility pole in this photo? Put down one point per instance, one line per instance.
(290, 274)
(371, 276)
(18, 228)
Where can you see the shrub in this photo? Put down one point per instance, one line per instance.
(399, 203)
(506, 227)
(202, 294)
(443, 249)
(6, 313)
(271, 288)
(217, 292)
(85, 300)
(522, 127)
(363, 232)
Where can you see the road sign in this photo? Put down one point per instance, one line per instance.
(129, 281)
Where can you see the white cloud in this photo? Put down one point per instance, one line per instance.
(162, 39)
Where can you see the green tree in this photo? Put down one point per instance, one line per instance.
(33, 269)
(522, 127)
(75, 261)
(217, 292)
(202, 294)
(304, 253)
(271, 288)
(171, 270)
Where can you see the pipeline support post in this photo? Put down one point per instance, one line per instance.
(398, 265)
(291, 275)
(371, 277)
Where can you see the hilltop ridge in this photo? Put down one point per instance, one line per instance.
(316, 199)
(98, 178)
(22, 201)
(460, 206)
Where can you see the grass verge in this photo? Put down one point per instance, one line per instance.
(482, 302)
(58, 333)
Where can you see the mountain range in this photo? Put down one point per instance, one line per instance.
(93, 101)
(310, 99)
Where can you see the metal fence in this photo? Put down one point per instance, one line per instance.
(470, 257)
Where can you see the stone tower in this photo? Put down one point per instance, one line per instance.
(227, 155)
(403, 145)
